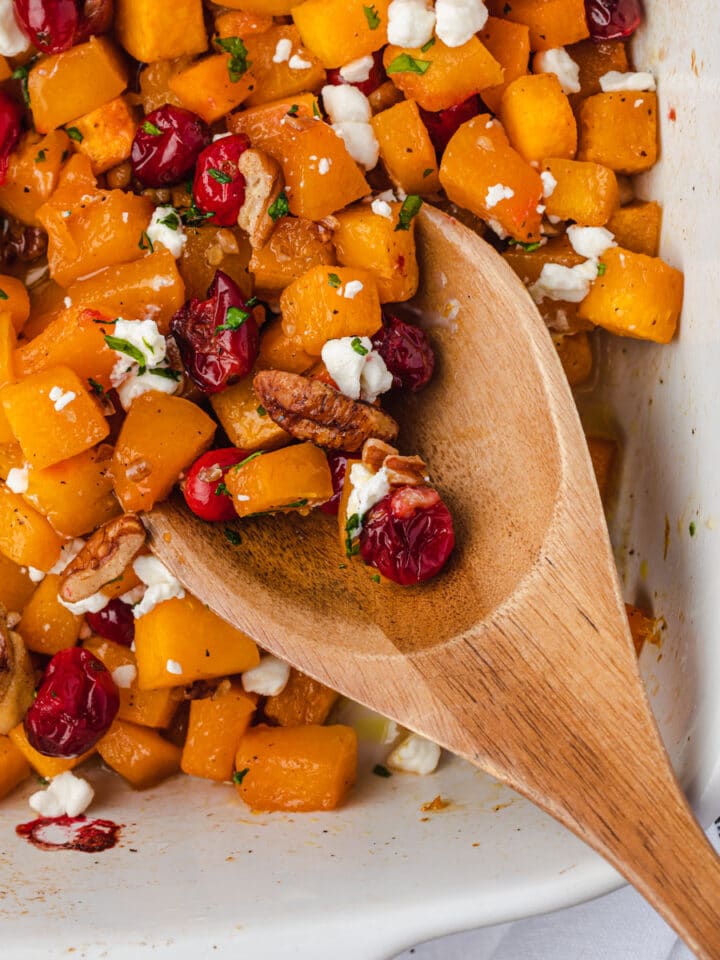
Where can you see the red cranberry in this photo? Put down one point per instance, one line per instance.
(443, 124)
(219, 187)
(75, 705)
(55, 25)
(376, 77)
(613, 19)
(204, 490)
(114, 622)
(218, 337)
(406, 351)
(167, 144)
(11, 114)
(337, 460)
(408, 536)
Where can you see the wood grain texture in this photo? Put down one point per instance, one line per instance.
(518, 657)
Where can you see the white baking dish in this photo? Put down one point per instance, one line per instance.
(197, 875)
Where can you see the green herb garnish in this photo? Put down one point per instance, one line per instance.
(3, 295)
(21, 74)
(358, 347)
(352, 529)
(296, 504)
(428, 171)
(96, 387)
(167, 372)
(602, 267)
(316, 110)
(258, 453)
(426, 46)
(235, 317)
(129, 349)
(380, 771)
(172, 220)
(221, 489)
(372, 17)
(261, 411)
(74, 134)
(233, 537)
(238, 63)
(279, 207)
(404, 63)
(41, 157)
(409, 209)
(219, 175)
(375, 578)
(145, 242)
(293, 111)
(530, 247)
(334, 280)
(239, 775)
(150, 128)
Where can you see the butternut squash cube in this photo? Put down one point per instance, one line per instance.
(14, 768)
(214, 730)
(5, 70)
(373, 242)
(575, 356)
(603, 451)
(636, 296)
(294, 478)
(274, 81)
(160, 436)
(303, 701)
(140, 755)
(14, 300)
(242, 23)
(211, 248)
(295, 245)
(33, 171)
(595, 60)
(315, 308)
(16, 587)
(279, 352)
(207, 88)
(477, 162)
(47, 626)
(453, 74)
(76, 339)
(243, 420)
(107, 134)
(65, 86)
(538, 118)
(26, 537)
(619, 130)
(355, 31)
(7, 349)
(264, 125)
(296, 768)
(160, 29)
(586, 192)
(262, 8)
(637, 227)
(185, 634)
(52, 416)
(48, 767)
(552, 23)
(406, 148)
(509, 43)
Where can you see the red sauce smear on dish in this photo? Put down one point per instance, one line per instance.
(70, 833)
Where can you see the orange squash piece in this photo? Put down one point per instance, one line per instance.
(26, 537)
(243, 420)
(14, 768)
(52, 416)
(241, 23)
(184, 633)
(140, 755)
(552, 23)
(354, 33)
(296, 768)
(636, 227)
(586, 193)
(7, 349)
(47, 626)
(509, 43)
(280, 352)
(575, 355)
(65, 86)
(14, 300)
(603, 453)
(406, 148)
(595, 60)
(208, 249)
(263, 125)
(295, 246)
(538, 118)
(454, 74)
(619, 130)
(5, 70)
(214, 729)
(274, 81)
(160, 29)
(16, 587)
(107, 134)
(303, 701)
(207, 88)
(294, 478)
(33, 171)
(75, 340)
(48, 767)
(160, 437)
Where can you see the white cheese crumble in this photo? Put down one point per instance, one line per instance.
(360, 142)
(344, 103)
(161, 584)
(368, 488)
(457, 21)
(124, 676)
(415, 754)
(297, 62)
(92, 604)
(382, 208)
(359, 375)
(61, 398)
(324, 164)
(68, 552)
(35, 575)
(549, 183)
(221, 136)
(410, 23)
(268, 678)
(559, 62)
(497, 193)
(357, 71)
(283, 49)
(172, 666)
(12, 36)
(171, 237)
(144, 337)
(351, 289)
(140, 383)
(65, 796)
(591, 242)
(67, 302)
(17, 479)
(614, 81)
(564, 283)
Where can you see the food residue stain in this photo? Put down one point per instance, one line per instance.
(70, 833)
(437, 803)
(672, 116)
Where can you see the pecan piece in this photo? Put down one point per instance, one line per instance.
(374, 453)
(401, 471)
(263, 185)
(17, 679)
(312, 410)
(103, 558)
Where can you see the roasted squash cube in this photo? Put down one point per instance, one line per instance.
(357, 29)
(303, 701)
(274, 81)
(160, 29)
(16, 587)
(76, 339)
(139, 754)
(14, 768)
(637, 227)
(295, 246)
(509, 43)
(47, 626)
(595, 60)
(585, 192)
(214, 729)
(619, 130)
(33, 171)
(552, 23)
(279, 352)
(538, 118)
(7, 349)
(45, 766)
(575, 356)
(406, 148)
(14, 300)
(107, 134)
(208, 88)
(264, 125)
(294, 478)
(26, 537)
(244, 420)
(242, 23)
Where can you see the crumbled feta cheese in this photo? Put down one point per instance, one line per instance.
(65, 796)
(591, 242)
(17, 479)
(638, 103)
(61, 398)
(297, 62)
(68, 552)
(357, 71)
(415, 754)
(134, 596)
(564, 283)
(138, 383)
(172, 666)
(324, 164)
(457, 21)
(382, 208)
(359, 375)
(145, 337)
(172, 237)
(344, 103)
(549, 183)
(161, 283)
(67, 302)
(35, 575)
(559, 62)
(221, 136)
(93, 604)
(360, 142)
(124, 216)
(283, 49)
(410, 23)
(268, 678)
(497, 193)
(161, 584)
(368, 488)
(12, 36)
(352, 288)
(124, 676)
(613, 81)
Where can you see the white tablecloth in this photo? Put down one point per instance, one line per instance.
(620, 926)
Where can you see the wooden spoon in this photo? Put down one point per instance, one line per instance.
(518, 657)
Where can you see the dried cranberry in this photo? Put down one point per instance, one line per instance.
(167, 144)
(613, 19)
(443, 124)
(406, 351)
(376, 77)
(219, 187)
(204, 490)
(75, 705)
(55, 25)
(114, 622)
(218, 337)
(408, 536)
(11, 114)
(337, 461)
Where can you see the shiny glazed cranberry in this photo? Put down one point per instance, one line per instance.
(167, 144)
(613, 19)
(218, 337)
(114, 622)
(406, 351)
(443, 124)
(75, 705)
(11, 114)
(56, 25)
(204, 490)
(376, 77)
(219, 187)
(408, 536)
(337, 461)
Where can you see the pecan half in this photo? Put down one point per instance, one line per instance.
(263, 185)
(312, 410)
(374, 453)
(401, 471)
(103, 558)
(17, 680)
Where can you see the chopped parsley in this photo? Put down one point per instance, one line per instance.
(96, 387)
(261, 411)
(352, 529)
(258, 453)
(41, 157)
(530, 247)
(602, 267)
(221, 489)
(219, 175)
(692, 529)
(238, 63)
(279, 207)
(129, 349)
(375, 578)
(293, 111)
(334, 280)
(74, 134)
(426, 46)
(239, 775)
(404, 63)
(21, 74)
(380, 771)
(194, 216)
(372, 17)
(172, 220)
(3, 295)
(145, 242)
(233, 537)
(167, 372)
(235, 317)
(428, 171)
(358, 347)
(316, 110)
(409, 209)
(295, 505)
(150, 128)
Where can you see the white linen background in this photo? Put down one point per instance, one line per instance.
(619, 926)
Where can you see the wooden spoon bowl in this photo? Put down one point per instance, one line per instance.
(518, 657)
